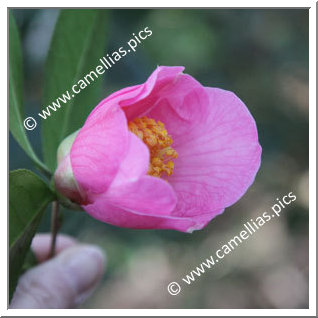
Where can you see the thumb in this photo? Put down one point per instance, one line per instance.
(62, 282)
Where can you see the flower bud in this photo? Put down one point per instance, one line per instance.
(65, 146)
(65, 182)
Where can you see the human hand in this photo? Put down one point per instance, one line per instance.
(64, 281)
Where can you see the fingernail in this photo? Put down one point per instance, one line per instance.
(84, 266)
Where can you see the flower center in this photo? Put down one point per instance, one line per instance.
(155, 136)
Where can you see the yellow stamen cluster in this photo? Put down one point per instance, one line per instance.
(155, 136)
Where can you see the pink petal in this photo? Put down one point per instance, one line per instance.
(150, 92)
(218, 150)
(142, 97)
(182, 105)
(147, 196)
(106, 212)
(135, 164)
(99, 148)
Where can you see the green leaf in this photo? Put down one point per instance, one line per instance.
(77, 45)
(16, 94)
(28, 197)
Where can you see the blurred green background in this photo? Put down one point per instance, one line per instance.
(261, 55)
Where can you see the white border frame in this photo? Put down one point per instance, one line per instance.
(312, 163)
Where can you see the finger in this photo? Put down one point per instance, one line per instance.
(63, 282)
(42, 242)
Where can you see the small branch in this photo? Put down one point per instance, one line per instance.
(55, 226)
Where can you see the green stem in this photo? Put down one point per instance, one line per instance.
(55, 226)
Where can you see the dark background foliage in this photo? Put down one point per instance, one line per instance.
(261, 55)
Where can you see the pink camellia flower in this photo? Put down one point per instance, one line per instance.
(166, 154)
